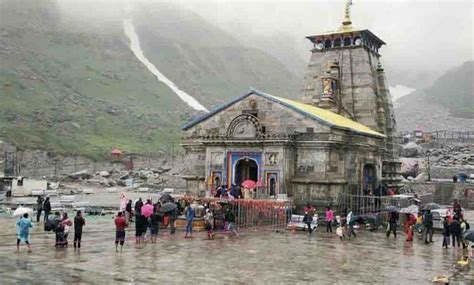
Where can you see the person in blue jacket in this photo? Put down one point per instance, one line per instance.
(189, 213)
(23, 231)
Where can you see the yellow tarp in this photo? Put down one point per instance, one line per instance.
(328, 116)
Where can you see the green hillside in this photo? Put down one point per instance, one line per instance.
(75, 88)
(73, 92)
(455, 91)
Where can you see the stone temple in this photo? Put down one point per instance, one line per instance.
(338, 139)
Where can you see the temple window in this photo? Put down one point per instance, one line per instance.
(357, 41)
(272, 186)
(328, 44)
(319, 45)
(347, 42)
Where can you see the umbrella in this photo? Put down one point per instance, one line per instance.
(431, 206)
(249, 184)
(22, 210)
(166, 197)
(168, 207)
(469, 235)
(392, 208)
(147, 210)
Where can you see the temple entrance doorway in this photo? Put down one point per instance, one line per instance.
(370, 179)
(245, 169)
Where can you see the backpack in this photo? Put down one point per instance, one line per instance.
(467, 225)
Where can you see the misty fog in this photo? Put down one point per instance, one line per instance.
(420, 35)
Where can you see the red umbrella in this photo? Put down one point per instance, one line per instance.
(250, 184)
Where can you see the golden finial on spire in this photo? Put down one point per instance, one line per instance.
(347, 23)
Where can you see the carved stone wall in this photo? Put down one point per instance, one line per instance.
(314, 162)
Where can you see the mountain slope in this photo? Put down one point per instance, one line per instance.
(205, 61)
(77, 92)
(71, 84)
(455, 90)
(446, 105)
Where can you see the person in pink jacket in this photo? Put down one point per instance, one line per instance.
(329, 219)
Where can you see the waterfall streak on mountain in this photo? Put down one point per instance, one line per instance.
(129, 30)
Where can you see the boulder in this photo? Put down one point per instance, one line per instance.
(411, 149)
(83, 174)
(165, 169)
(104, 174)
(420, 177)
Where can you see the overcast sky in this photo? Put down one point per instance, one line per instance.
(422, 34)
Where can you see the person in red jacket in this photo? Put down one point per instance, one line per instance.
(120, 225)
(408, 225)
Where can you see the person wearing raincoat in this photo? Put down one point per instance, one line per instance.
(123, 202)
(23, 226)
(464, 227)
(351, 222)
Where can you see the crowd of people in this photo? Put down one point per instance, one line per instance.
(454, 224)
(148, 223)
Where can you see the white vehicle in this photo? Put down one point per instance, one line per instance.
(297, 223)
(439, 214)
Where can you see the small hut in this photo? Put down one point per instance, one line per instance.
(116, 154)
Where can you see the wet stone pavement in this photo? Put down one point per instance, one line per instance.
(255, 257)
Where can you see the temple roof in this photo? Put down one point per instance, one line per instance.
(347, 29)
(321, 115)
(351, 30)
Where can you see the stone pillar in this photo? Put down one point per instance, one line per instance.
(195, 171)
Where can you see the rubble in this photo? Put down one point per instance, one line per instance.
(152, 178)
(444, 162)
(452, 155)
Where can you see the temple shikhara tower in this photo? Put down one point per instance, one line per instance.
(345, 76)
(338, 140)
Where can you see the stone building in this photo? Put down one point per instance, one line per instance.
(345, 75)
(338, 139)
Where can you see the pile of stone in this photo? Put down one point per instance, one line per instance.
(452, 155)
(152, 178)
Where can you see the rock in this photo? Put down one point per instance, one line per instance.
(104, 174)
(420, 177)
(411, 149)
(83, 174)
(165, 168)
(110, 182)
(111, 110)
